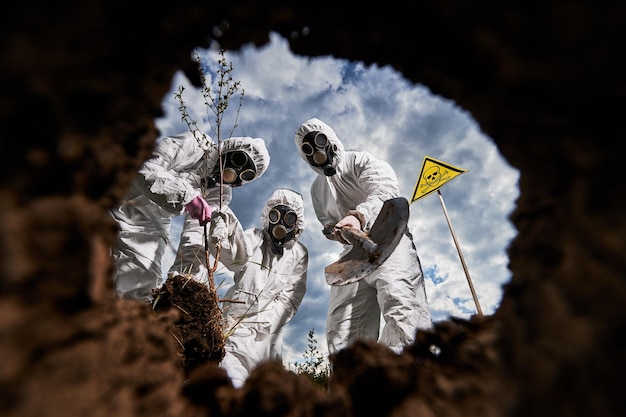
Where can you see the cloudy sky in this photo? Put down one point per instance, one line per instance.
(375, 109)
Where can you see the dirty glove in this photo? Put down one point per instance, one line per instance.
(199, 209)
(348, 221)
(219, 230)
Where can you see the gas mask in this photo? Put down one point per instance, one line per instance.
(282, 226)
(319, 152)
(237, 167)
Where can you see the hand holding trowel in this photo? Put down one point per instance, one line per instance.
(369, 250)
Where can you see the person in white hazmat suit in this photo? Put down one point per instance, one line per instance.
(270, 269)
(182, 176)
(190, 256)
(350, 190)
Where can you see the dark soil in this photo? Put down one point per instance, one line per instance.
(199, 330)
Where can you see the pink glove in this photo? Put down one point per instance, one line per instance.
(199, 209)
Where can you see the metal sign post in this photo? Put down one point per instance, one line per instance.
(458, 248)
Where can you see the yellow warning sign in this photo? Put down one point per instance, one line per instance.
(433, 175)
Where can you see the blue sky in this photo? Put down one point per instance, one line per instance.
(370, 108)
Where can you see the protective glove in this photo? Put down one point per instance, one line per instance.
(199, 209)
(219, 230)
(348, 221)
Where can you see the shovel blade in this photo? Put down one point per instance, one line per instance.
(386, 231)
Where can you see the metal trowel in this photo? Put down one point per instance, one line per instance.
(371, 249)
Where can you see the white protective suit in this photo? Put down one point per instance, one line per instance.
(166, 182)
(268, 287)
(396, 288)
(190, 257)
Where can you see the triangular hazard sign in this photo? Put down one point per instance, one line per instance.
(433, 175)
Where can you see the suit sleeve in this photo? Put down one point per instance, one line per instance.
(235, 247)
(379, 182)
(286, 303)
(169, 173)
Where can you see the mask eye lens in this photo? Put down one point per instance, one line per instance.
(290, 218)
(274, 216)
(238, 159)
(247, 175)
(321, 140)
(307, 149)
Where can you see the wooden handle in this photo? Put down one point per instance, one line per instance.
(359, 238)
